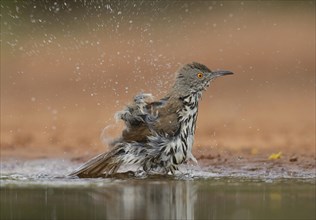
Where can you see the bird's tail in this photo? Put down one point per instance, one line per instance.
(109, 162)
(102, 164)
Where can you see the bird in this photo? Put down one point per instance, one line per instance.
(158, 135)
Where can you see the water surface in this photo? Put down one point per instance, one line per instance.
(31, 194)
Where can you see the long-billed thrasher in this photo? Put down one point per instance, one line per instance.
(158, 135)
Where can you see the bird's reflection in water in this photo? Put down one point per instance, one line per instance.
(164, 197)
(156, 200)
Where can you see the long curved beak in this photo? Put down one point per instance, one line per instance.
(221, 73)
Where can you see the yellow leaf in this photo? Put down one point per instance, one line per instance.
(275, 156)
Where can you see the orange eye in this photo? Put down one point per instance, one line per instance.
(199, 75)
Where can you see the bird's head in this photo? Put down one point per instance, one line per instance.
(196, 77)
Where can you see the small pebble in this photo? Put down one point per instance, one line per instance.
(293, 159)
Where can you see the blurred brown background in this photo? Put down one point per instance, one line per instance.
(67, 67)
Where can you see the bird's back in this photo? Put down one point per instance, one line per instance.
(144, 119)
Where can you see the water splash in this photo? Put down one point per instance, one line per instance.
(54, 173)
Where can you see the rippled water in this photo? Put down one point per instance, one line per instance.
(40, 190)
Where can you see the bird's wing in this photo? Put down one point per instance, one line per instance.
(143, 118)
(168, 122)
